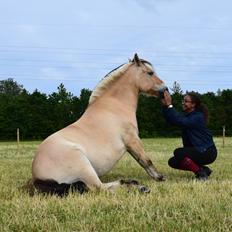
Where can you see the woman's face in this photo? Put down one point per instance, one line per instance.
(187, 104)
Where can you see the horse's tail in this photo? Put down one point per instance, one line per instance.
(52, 187)
(29, 187)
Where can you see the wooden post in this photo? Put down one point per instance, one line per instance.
(18, 139)
(223, 136)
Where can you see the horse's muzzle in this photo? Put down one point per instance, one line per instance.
(161, 92)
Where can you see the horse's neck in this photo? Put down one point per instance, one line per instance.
(125, 93)
(121, 98)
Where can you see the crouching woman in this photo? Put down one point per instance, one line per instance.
(198, 146)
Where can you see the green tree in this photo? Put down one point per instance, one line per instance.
(176, 89)
(84, 100)
(226, 102)
(60, 108)
(39, 122)
(10, 107)
(10, 87)
(38, 115)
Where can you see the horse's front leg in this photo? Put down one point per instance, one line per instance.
(135, 148)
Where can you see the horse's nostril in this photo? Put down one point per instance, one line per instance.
(161, 92)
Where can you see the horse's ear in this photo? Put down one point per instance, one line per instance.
(136, 59)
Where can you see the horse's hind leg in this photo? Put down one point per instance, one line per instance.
(134, 183)
(93, 182)
(84, 171)
(90, 178)
(124, 183)
(76, 167)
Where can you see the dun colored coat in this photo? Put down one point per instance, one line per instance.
(80, 153)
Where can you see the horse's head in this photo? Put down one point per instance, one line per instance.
(146, 79)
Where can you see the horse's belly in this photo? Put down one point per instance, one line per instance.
(103, 151)
(104, 157)
(52, 160)
(106, 162)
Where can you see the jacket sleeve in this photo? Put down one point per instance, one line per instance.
(175, 118)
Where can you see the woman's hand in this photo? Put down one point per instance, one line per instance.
(167, 100)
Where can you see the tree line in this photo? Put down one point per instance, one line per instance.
(38, 115)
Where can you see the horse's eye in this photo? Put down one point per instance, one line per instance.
(150, 73)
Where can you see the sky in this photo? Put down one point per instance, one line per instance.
(47, 42)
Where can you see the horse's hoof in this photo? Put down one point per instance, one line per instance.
(129, 182)
(160, 178)
(143, 189)
(133, 182)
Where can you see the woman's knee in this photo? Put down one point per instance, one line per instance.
(173, 162)
(179, 153)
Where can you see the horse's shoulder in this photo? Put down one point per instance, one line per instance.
(129, 130)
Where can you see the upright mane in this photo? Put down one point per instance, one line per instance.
(107, 81)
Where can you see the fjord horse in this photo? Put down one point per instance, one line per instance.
(80, 153)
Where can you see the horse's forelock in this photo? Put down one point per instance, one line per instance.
(146, 62)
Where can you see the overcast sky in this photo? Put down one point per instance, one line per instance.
(46, 42)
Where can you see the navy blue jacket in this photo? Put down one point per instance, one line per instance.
(194, 131)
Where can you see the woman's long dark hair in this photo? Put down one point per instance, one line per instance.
(199, 106)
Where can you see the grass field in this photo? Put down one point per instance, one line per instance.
(178, 204)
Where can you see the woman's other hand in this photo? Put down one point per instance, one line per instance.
(167, 100)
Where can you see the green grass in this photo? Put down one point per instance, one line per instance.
(178, 204)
